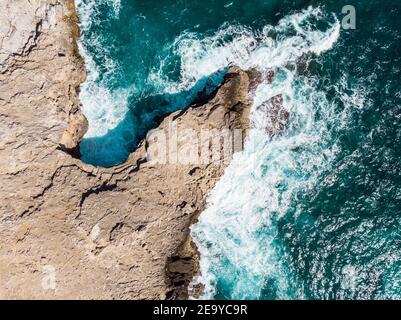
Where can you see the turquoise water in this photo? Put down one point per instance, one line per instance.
(312, 214)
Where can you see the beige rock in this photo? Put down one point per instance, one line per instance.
(68, 229)
(77, 127)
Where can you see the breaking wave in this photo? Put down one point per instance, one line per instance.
(237, 234)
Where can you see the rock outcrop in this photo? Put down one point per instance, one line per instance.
(69, 230)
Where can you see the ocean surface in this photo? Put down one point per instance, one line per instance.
(313, 213)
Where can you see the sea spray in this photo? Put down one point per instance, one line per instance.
(236, 235)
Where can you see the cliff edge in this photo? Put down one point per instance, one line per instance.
(69, 230)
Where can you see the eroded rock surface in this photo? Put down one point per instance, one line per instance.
(70, 230)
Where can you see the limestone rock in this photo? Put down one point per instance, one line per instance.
(69, 230)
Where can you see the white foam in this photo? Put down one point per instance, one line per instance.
(201, 56)
(261, 183)
(104, 108)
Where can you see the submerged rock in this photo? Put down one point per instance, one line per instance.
(71, 230)
(276, 116)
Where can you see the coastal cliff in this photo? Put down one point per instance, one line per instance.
(73, 231)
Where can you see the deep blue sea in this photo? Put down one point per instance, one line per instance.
(313, 213)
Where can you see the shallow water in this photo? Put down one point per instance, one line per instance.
(314, 213)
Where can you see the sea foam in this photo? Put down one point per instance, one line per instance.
(236, 233)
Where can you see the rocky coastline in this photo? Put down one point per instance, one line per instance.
(73, 231)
